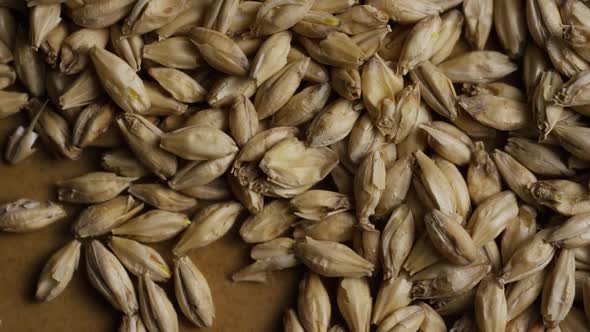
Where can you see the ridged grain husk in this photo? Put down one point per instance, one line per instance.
(161, 197)
(101, 218)
(94, 187)
(153, 226)
(559, 289)
(313, 303)
(193, 293)
(120, 81)
(445, 280)
(208, 225)
(140, 259)
(369, 183)
(58, 271)
(490, 305)
(109, 277)
(532, 256)
(332, 259)
(396, 241)
(143, 139)
(157, 312)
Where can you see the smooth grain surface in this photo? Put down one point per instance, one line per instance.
(239, 306)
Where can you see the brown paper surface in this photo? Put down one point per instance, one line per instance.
(239, 306)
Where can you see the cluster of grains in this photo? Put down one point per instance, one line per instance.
(331, 133)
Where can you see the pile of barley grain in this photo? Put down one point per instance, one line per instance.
(330, 132)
